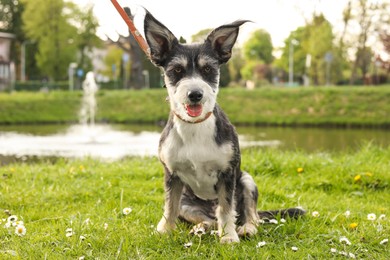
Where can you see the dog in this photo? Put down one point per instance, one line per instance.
(199, 147)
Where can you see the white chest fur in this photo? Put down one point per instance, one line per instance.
(190, 152)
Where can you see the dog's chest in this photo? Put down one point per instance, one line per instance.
(190, 152)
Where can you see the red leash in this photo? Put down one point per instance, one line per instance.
(138, 37)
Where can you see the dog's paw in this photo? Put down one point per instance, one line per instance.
(164, 227)
(247, 230)
(230, 238)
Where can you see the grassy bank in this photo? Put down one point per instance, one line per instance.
(322, 106)
(89, 196)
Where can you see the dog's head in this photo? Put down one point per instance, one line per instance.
(191, 70)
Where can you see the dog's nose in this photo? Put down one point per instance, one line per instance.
(195, 95)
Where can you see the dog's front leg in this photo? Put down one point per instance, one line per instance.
(173, 191)
(226, 214)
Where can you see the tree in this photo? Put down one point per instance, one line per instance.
(259, 47)
(257, 52)
(48, 23)
(86, 24)
(368, 19)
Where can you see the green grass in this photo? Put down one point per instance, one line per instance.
(314, 106)
(53, 196)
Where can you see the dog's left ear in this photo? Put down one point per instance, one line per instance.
(223, 38)
(159, 38)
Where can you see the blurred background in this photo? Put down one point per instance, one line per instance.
(305, 74)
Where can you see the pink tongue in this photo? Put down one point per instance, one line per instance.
(194, 110)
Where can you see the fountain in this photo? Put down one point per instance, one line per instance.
(86, 139)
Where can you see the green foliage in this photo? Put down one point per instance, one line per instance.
(89, 196)
(48, 24)
(259, 47)
(61, 31)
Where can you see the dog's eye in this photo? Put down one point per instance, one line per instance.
(178, 70)
(207, 69)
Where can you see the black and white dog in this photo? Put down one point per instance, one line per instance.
(199, 148)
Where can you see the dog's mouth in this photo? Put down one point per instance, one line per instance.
(193, 110)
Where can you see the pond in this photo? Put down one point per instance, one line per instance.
(118, 141)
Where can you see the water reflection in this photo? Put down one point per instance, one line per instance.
(118, 141)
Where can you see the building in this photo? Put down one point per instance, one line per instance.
(7, 67)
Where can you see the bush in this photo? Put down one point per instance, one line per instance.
(37, 85)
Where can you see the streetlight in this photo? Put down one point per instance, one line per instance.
(71, 69)
(291, 62)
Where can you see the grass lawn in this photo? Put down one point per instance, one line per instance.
(89, 196)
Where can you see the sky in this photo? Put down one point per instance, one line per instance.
(186, 18)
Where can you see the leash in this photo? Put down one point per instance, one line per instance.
(137, 36)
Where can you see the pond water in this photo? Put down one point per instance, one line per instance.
(118, 141)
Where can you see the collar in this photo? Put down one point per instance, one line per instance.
(197, 121)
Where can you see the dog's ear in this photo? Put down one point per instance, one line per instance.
(159, 38)
(223, 38)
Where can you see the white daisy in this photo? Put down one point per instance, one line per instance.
(214, 232)
(20, 230)
(11, 219)
(105, 226)
(345, 241)
(333, 250)
(261, 244)
(187, 245)
(273, 221)
(315, 214)
(282, 220)
(382, 217)
(294, 248)
(127, 211)
(371, 216)
(347, 214)
(69, 232)
(384, 241)
(199, 231)
(351, 255)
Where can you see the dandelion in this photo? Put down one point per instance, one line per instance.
(353, 225)
(357, 178)
(127, 211)
(315, 214)
(369, 174)
(384, 241)
(20, 230)
(347, 214)
(294, 248)
(273, 221)
(299, 170)
(188, 245)
(371, 216)
(261, 244)
(345, 241)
